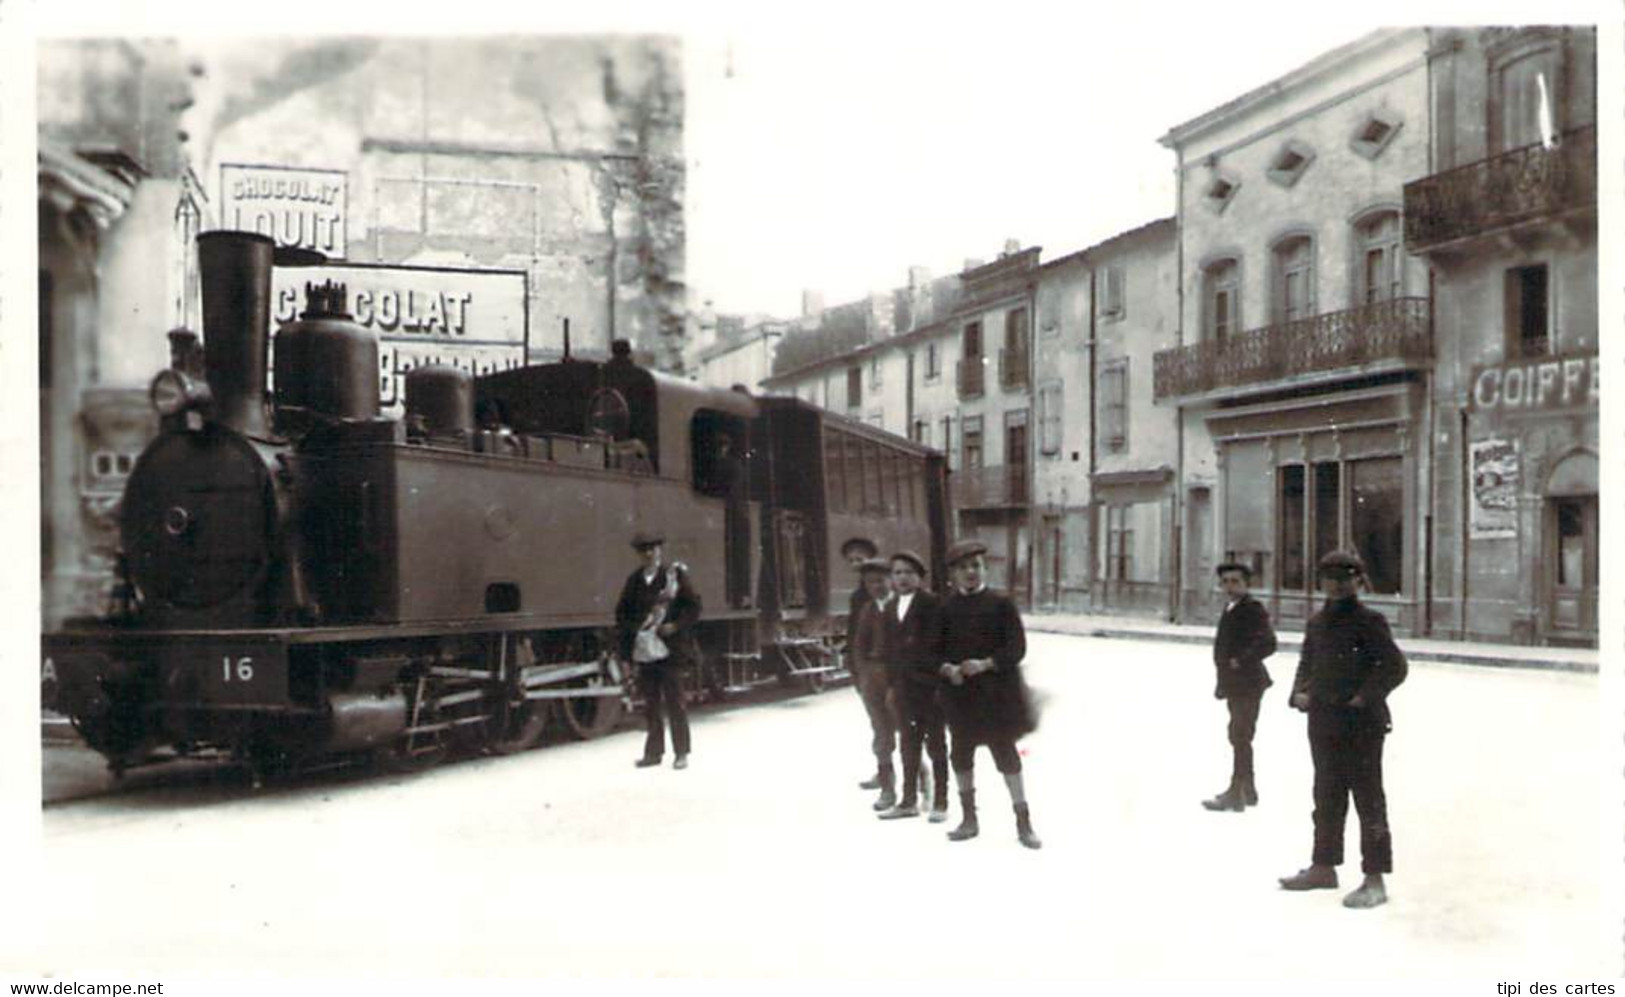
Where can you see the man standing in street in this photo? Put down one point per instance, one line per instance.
(1244, 640)
(1348, 667)
(655, 621)
(911, 642)
(869, 671)
(858, 551)
(986, 699)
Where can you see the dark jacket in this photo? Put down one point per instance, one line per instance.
(913, 646)
(860, 598)
(1244, 634)
(637, 599)
(867, 649)
(1348, 650)
(991, 705)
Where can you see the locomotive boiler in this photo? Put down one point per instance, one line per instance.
(304, 577)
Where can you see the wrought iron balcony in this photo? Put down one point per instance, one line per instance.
(972, 377)
(995, 487)
(1013, 369)
(1393, 330)
(1503, 191)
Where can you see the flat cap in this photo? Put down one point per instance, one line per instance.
(963, 549)
(647, 538)
(874, 565)
(911, 558)
(1342, 564)
(864, 542)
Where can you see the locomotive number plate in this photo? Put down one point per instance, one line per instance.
(241, 674)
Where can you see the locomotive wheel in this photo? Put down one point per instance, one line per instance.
(518, 724)
(587, 717)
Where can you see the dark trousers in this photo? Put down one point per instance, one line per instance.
(1243, 723)
(1005, 756)
(922, 724)
(875, 689)
(663, 693)
(1346, 745)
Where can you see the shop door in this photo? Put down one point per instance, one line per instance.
(1571, 526)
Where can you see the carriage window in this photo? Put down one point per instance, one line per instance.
(889, 483)
(834, 471)
(872, 501)
(854, 474)
(718, 444)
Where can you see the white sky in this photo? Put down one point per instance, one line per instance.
(833, 144)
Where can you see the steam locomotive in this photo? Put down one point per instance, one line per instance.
(303, 578)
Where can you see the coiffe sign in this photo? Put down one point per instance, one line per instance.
(1536, 385)
(302, 208)
(472, 319)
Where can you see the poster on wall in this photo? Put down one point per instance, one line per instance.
(475, 320)
(1494, 508)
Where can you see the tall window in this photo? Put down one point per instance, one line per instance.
(970, 441)
(933, 362)
(948, 439)
(921, 432)
(854, 387)
(1528, 310)
(1049, 419)
(874, 371)
(1114, 405)
(1221, 299)
(1111, 293)
(1382, 269)
(1119, 544)
(973, 342)
(1013, 364)
(1294, 279)
(1015, 454)
(1528, 105)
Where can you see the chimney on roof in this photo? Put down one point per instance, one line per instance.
(812, 303)
(1011, 247)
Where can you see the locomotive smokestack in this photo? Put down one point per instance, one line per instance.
(236, 275)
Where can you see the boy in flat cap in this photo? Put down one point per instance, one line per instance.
(865, 659)
(1245, 638)
(986, 699)
(911, 638)
(654, 621)
(1348, 667)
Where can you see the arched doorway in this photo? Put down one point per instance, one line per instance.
(1570, 527)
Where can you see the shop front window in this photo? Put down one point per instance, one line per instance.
(1376, 520)
(1328, 511)
(1292, 518)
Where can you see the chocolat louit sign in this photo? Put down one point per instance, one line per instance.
(1549, 384)
(296, 207)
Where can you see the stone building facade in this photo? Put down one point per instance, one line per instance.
(1302, 374)
(1506, 220)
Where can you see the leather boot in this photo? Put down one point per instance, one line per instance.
(888, 791)
(967, 828)
(1024, 827)
(1249, 792)
(1230, 799)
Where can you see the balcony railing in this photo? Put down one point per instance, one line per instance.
(1502, 191)
(1397, 329)
(1013, 369)
(994, 487)
(972, 377)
